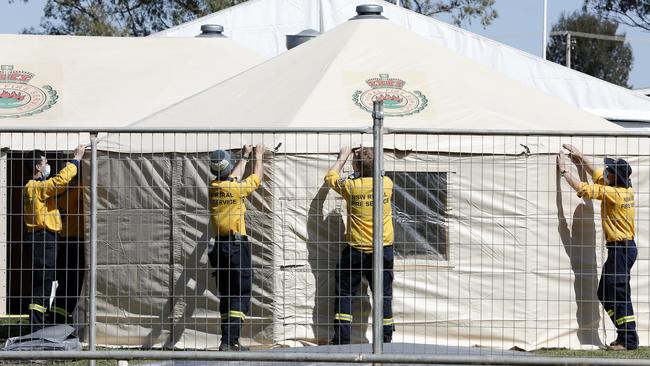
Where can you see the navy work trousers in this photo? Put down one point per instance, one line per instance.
(614, 291)
(232, 259)
(44, 245)
(70, 273)
(354, 264)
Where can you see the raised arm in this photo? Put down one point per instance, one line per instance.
(259, 163)
(578, 158)
(561, 165)
(59, 183)
(238, 171)
(344, 154)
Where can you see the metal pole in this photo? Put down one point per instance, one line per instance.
(179, 130)
(328, 357)
(92, 316)
(545, 29)
(378, 227)
(367, 130)
(568, 50)
(485, 132)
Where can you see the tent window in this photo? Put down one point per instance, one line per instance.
(419, 209)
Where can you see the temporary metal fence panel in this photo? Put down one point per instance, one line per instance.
(492, 248)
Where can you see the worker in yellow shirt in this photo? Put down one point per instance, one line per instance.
(356, 258)
(231, 255)
(70, 257)
(613, 187)
(43, 225)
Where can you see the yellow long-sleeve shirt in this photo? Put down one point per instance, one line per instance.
(616, 209)
(40, 202)
(71, 209)
(357, 193)
(227, 206)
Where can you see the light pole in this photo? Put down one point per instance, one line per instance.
(571, 40)
(568, 50)
(545, 29)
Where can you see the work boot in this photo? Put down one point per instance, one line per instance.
(335, 341)
(232, 347)
(616, 346)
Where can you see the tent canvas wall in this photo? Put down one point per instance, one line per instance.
(515, 271)
(92, 82)
(263, 24)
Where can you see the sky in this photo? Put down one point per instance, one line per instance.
(520, 25)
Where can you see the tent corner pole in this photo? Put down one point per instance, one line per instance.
(92, 315)
(378, 227)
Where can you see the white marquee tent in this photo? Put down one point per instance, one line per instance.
(263, 24)
(105, 82)
(521, 262)
(96, 82)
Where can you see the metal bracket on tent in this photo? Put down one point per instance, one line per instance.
(526, 152)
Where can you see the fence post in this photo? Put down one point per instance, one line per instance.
(93, 246)
(378, 227)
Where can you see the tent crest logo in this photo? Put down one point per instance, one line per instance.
(397, 101)
(20, 99)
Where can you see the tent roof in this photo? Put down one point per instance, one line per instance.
(263, 24)
(331, 80)
(101, 82)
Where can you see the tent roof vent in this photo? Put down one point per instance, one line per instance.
(300, 38)
(369, 11)
(212, 31)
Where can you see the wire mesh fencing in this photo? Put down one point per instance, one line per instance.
(487, 247)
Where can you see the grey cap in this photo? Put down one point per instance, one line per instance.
(221, 163)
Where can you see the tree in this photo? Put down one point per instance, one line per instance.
(635, 13)
(143, 17)
(607, 60)
(462, 11)
(122, 17)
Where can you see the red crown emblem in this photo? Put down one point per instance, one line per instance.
(383, 81)
(389, 97)
(13, 95)
(7, 74)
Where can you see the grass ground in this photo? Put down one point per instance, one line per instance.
(642, 352)
(71, 363)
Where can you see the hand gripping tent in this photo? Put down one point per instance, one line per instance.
(515, 262)
(263, 24)
(91, 82)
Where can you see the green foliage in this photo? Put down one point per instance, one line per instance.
(606, 60)
(635, 13)
(122, 17)
(462, 11)
(143, 17)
